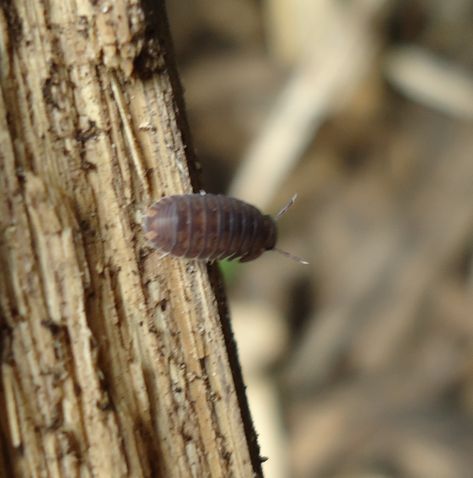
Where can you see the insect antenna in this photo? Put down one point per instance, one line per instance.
(291, 256)
(277, 217)
(285, 207)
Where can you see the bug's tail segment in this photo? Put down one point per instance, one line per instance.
(285, 207)
(291, 256)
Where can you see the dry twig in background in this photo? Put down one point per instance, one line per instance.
(330, 69)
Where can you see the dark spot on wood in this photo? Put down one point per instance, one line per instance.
(83, 26)
(87, 165)
(88, 133)
(84, 225)
(163, 304)
(70, 444)
(150, 60)
(14, 23)
(47, 90)
(52, 326)
(104, 405)
(56, 421)
(20, 175)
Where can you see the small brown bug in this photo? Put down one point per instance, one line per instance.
(211, 227)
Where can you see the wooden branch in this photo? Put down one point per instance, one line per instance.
(114, 363)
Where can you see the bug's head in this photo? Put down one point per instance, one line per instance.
(271, 233)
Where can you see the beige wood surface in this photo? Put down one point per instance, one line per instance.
(114, 362)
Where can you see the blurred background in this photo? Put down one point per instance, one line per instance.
(361, 363)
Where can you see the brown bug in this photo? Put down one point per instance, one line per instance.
(211, 227)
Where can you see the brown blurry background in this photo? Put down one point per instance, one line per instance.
(360, 364)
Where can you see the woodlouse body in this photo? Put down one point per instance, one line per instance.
(209, 227)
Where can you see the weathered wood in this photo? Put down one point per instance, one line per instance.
(114, 363)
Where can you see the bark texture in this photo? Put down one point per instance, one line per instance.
(114, 363)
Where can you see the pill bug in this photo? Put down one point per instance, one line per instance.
(211, 227)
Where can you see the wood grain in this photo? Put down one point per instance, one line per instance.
(114, 363)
